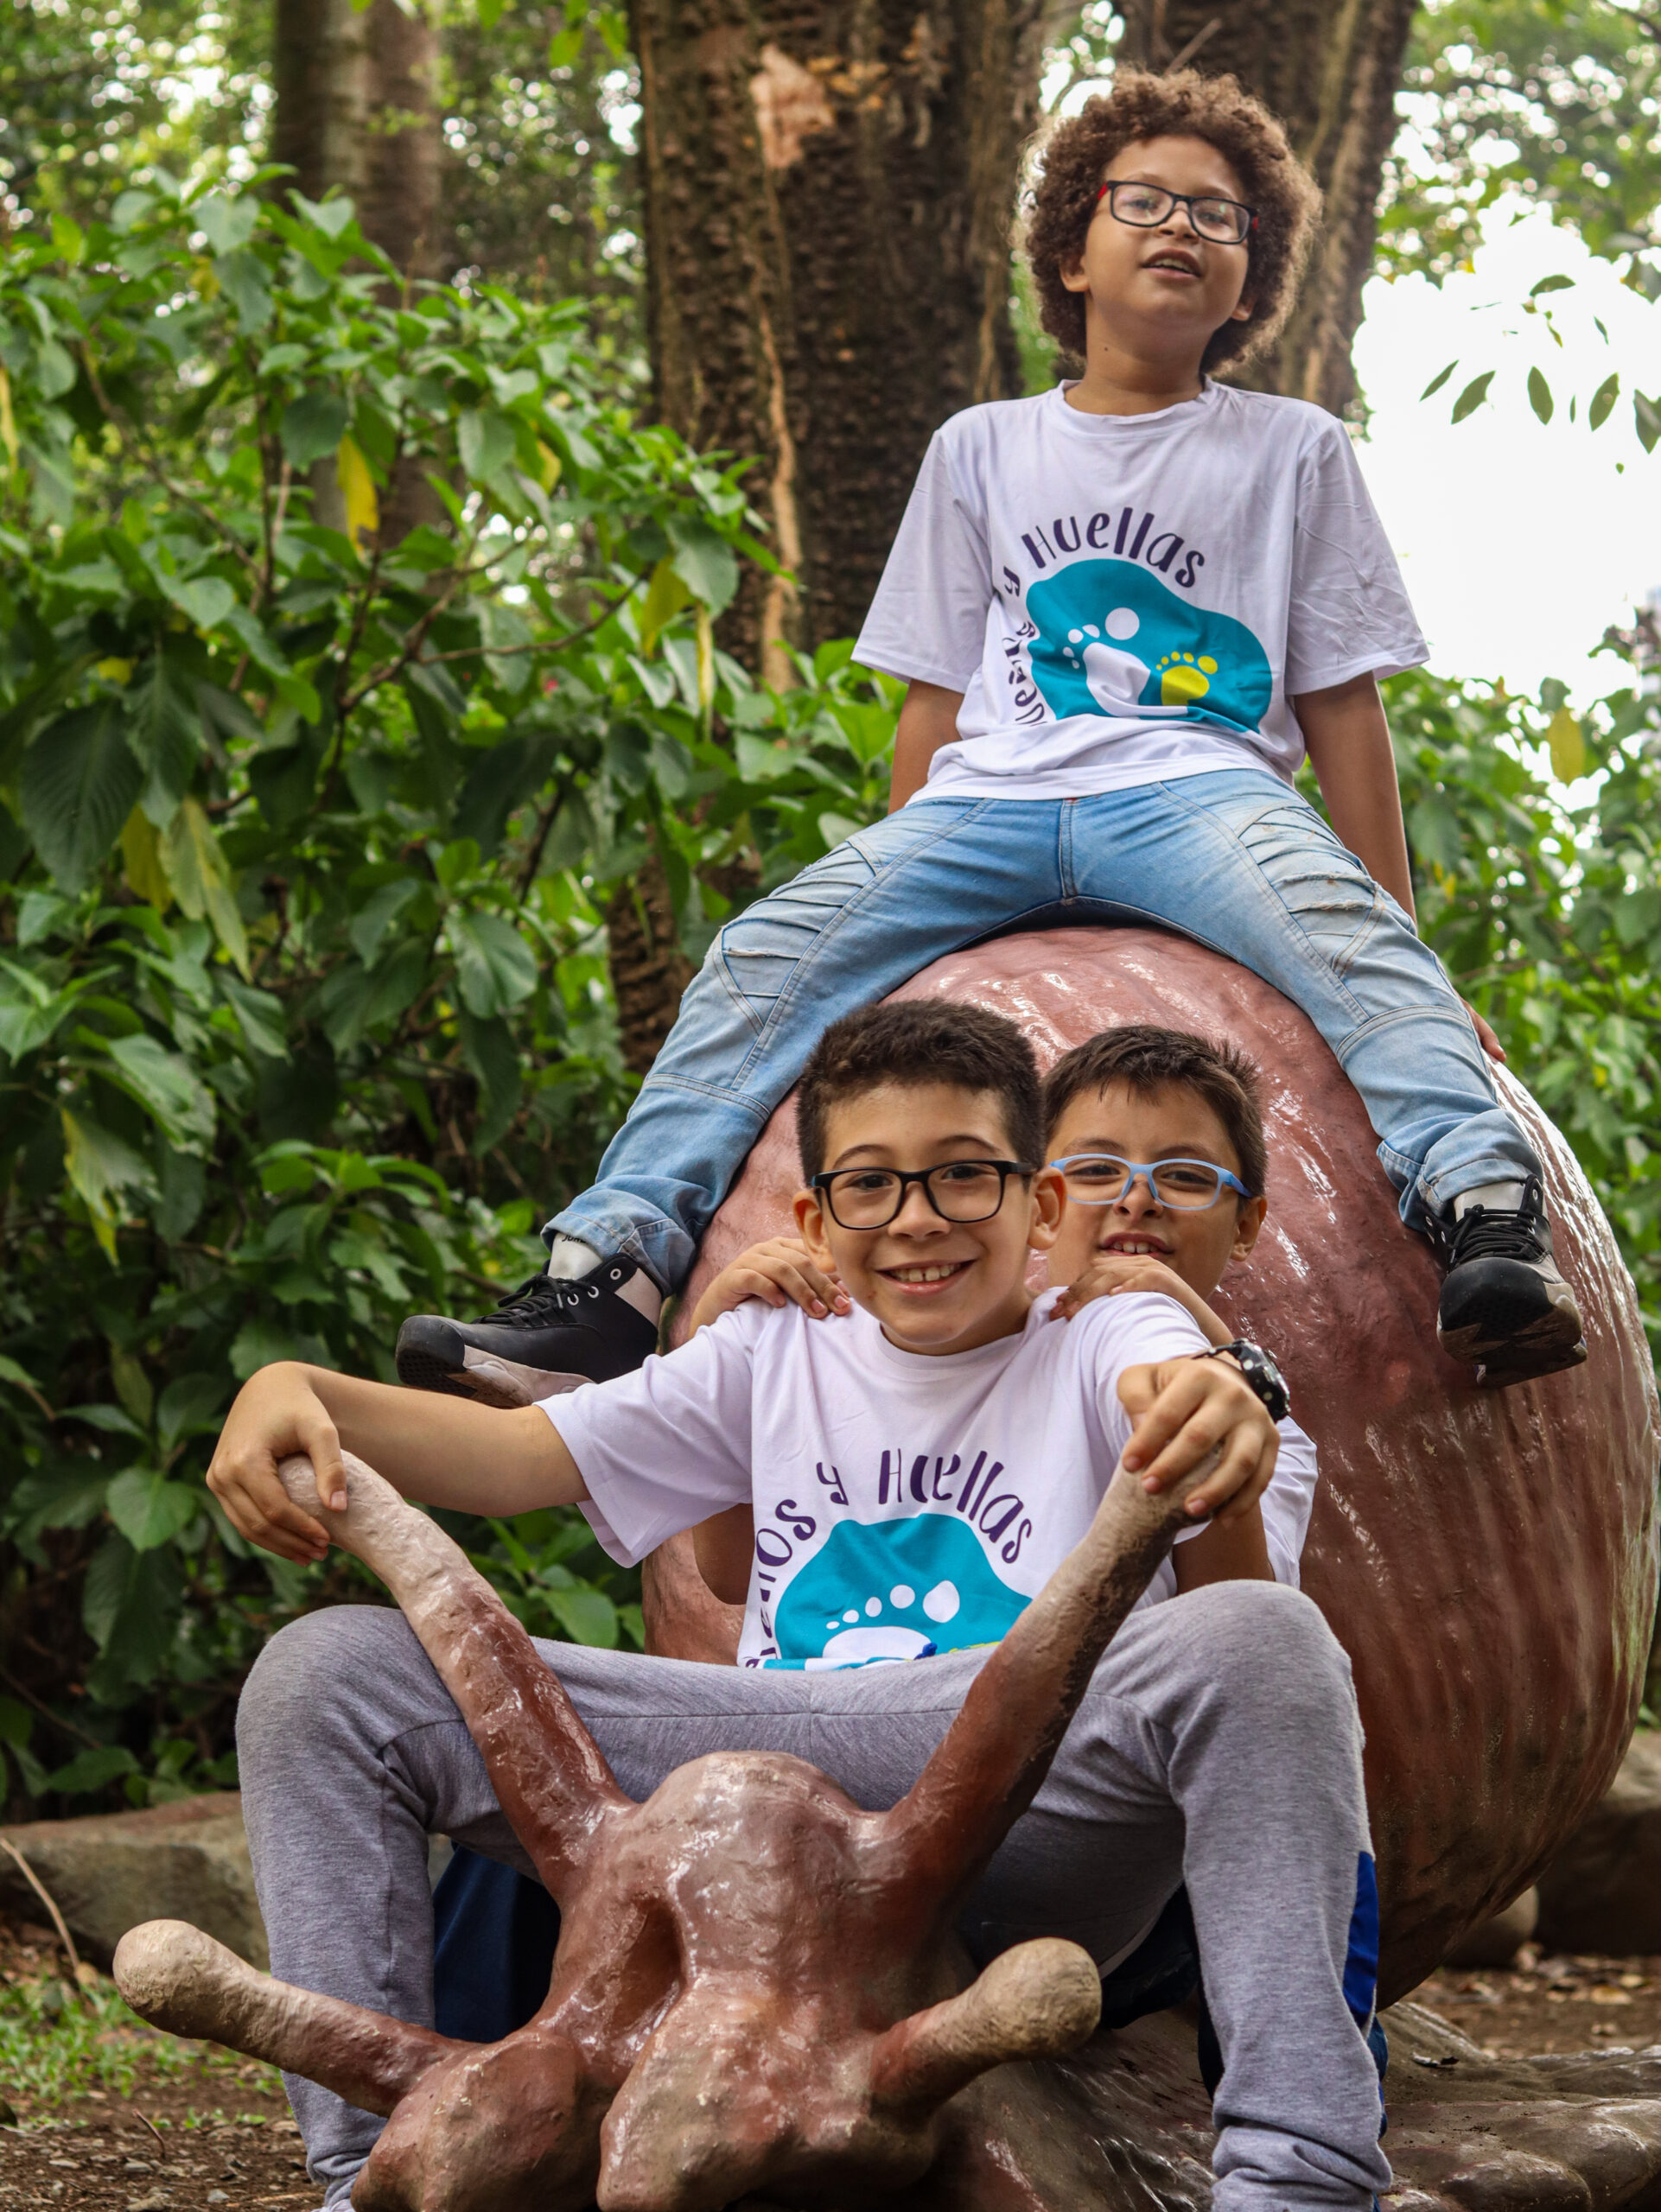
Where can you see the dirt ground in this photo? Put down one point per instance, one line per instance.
(102, 2115)
(1551, 2004)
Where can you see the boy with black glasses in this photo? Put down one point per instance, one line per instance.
(1126, 611)
(916, 1467)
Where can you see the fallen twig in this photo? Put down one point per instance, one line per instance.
(50, 1903)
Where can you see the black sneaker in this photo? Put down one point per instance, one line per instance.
(547, 1338)
(1504, 1305)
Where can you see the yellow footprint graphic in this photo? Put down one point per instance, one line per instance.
(1183, 678)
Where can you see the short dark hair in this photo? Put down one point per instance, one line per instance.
(1146, 1059)
(1186, 105)
(918, 1042)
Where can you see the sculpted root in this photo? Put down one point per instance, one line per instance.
(701, 2041)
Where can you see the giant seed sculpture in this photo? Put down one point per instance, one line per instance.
(756, 1987)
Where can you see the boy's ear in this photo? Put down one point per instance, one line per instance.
(1249, 1226)
(1049, 1203)
(1071, 274)
(809, 1227)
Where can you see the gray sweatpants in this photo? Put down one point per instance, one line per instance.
(1218, 1745)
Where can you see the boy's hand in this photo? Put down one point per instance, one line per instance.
(1107, 1275)
(277, 1415)
(778, 1271)
(1486, 1035)
(1184, 1411)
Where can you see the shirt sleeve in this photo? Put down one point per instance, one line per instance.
(1350, 612)
(927, 623)
(1286, 1504)
(662, 1449)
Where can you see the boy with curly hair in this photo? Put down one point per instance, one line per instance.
(1125, 611)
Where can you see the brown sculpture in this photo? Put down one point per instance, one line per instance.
(1488, 1558)
(756, 1985)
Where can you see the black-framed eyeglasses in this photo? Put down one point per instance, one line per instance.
(958, 1189)
(1102, 1179)
(1145, 206)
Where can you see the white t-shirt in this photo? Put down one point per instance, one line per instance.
(1122, 599)
(903, 1504)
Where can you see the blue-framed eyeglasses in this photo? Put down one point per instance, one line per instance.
(1102, 1178)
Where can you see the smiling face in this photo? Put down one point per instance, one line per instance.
(1171, 1123)
(935, 1285)
(1164, 290)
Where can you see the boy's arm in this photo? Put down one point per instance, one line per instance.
(928, 720)
(1230, 1550)
(1109, 1275)
(1346, 736)
(439, 1451)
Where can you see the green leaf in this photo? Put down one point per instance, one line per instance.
(487, 442)
(704, 561)
(1567, 744)
(205, 600)
(1540, 396)
(201, 881)
(164, 733)
(314, 424)
(665, 595)
(166, 1085)
(1473, 396)
(227, 224)
(148, 1509)
(265, 1025)
(80, 780)
(16, 1721)
(129, 1604)
(248, 287)
(1603, 400)
(1647, 415)
(489, 1050)
(495, 968)
(101, 1166)
(1439, 380)
(132, 1387)
(377, 914)
(1550, 284)
(587, 1615)
(92, 1769)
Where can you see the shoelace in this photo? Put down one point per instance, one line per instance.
(544, 1297)
(1497, 1232)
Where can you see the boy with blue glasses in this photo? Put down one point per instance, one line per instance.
(1126, 611)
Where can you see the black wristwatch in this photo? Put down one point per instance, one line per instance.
(1263, 1377)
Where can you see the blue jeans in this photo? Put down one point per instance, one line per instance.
(1232, 858)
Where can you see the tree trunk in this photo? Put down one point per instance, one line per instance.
(649, 972)
(1330, 74)
(828, 192)
(357, 108)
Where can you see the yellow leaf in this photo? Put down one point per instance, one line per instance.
(202, 276)
(7, 427)
(201, 883)
(99, 1165)
(1568, 745)
(549, 471)
(665, 595)
(141, 856)
(358, 491)
(706, 660)
(115, 672)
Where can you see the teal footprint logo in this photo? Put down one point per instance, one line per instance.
(1113, 640)
(893, 1590)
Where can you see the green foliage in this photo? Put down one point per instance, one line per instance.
(57, 2041)
(1546, 908)
(1553, 99)
(356, 640)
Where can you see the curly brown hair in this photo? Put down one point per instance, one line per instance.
(1140, 106)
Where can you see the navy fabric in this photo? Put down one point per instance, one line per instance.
(494, 1932)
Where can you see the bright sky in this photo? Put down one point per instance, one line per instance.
(1520, 542)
